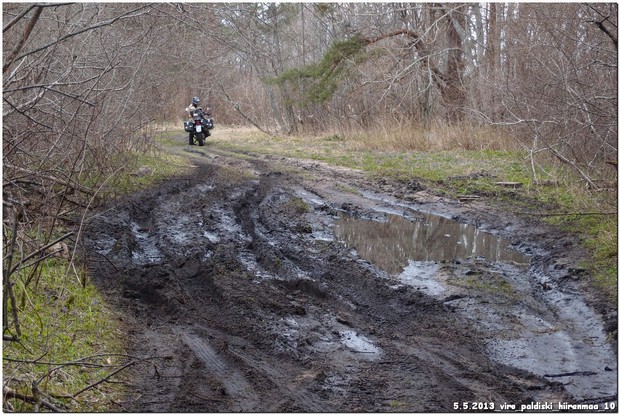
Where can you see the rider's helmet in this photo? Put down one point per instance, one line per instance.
(195, 101)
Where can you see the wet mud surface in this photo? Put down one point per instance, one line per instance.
(263, 284)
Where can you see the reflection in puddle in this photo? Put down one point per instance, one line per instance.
(392, 244)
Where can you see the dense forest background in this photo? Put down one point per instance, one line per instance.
(548, 72)
(84, 83)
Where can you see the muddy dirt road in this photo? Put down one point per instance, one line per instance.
(265, 284)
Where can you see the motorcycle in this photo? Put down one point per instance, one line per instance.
(198, 128)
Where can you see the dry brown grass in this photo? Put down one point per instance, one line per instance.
(435, 137)
(387, 137)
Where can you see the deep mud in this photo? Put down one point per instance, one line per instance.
(270, 285)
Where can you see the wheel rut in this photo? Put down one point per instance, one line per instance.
(234, 286)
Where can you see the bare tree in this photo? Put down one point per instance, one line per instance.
(72, 112)
(561, 89)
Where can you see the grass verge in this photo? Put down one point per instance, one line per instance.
(68, 342)
(69, 355)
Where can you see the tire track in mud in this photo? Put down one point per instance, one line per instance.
(234, 384)
(247, 213)
(304, 400)
(284, 379)
(232, 281)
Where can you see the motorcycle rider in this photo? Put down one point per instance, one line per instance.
(193, 107)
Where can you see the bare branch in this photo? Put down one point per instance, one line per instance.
(27, 31)
(39, 251)
(25, 12)
(12, 394)
(104, 379)
(127, 15)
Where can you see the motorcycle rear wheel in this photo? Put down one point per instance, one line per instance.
(201, 139)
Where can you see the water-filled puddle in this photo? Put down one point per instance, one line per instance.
(397, 242)
(552, 334)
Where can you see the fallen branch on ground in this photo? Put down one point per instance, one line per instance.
(37, 401)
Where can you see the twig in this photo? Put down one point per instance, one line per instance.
(38, 251)
(580, 373)
(54, 179)
(82, 360)
(107, 259)
(92, 385)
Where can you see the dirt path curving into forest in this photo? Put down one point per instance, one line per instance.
(264, 284)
